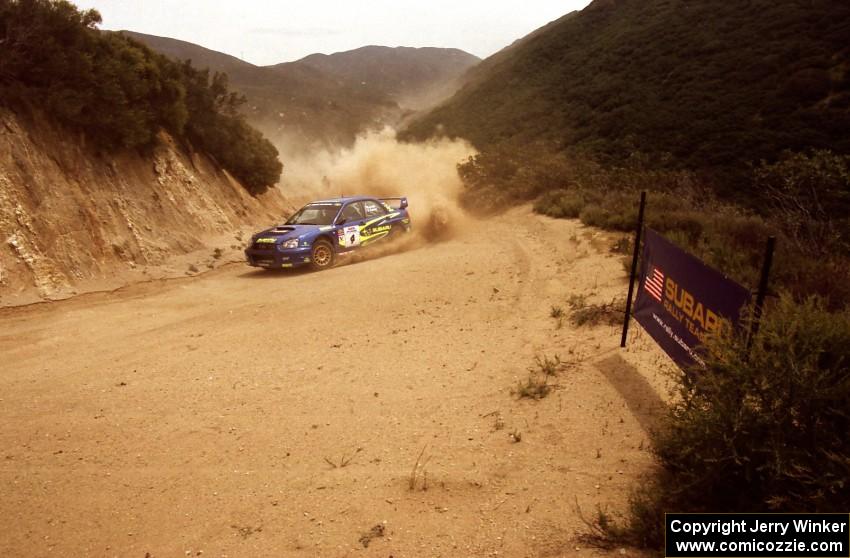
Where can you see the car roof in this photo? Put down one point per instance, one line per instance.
(344, 199)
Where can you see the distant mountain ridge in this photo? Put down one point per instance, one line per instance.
(328, 99)
(182, 50)
(413, 77)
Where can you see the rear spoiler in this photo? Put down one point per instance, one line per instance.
(402, 202)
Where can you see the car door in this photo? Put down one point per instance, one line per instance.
(349, 224)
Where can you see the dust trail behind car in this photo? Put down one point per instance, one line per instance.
(378, 164)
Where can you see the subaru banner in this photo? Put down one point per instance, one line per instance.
(681, 300)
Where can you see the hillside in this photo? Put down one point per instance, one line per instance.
(120, 94)
(115, 161)
(201, 57)
(322, 99)
(481, 71)
(714, 84)
(72, 221)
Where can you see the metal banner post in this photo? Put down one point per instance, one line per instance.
(634, 270)
(762, 292)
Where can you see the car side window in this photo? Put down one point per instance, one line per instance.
(353, 212)
(373, 208)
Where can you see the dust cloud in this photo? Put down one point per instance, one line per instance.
(379, 165)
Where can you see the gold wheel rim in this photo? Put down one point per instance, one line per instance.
(322, 256)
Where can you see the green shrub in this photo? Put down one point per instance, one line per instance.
(620, 218)
(549, 366)
(766, 429)
(726, 237)
(583, 313)
(512, 172)
(594, 216)
(688, 224)
(827, 277)
(560, 204)
(809, 193)
(763, 430)
(534, 387)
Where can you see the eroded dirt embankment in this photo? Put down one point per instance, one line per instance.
(72, 220)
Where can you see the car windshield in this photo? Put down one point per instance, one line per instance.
(314, 214)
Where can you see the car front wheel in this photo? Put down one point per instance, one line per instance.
(322, 255)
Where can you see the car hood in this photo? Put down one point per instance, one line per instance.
(287, 232)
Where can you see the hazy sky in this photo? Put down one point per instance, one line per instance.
(267, 32)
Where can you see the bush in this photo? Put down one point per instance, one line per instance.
(507, 173)
(594, 216)
(560, 204)
(763, 430)
(726, 237)
(584, 314)
(810, 195)
(767, 429)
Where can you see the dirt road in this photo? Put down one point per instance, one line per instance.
(249, 413)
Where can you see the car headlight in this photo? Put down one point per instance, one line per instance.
(289, 244)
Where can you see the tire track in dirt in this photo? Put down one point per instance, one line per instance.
(202, 416)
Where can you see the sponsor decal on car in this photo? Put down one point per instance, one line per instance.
(375, 230)
(371, 234)
(350, 236)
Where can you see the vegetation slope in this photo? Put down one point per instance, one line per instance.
(735, 114)
(119, 93)
(696, 84)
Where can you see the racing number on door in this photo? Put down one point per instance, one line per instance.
(349, 234)
(352, 235)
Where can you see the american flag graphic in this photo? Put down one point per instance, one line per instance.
(654, 283)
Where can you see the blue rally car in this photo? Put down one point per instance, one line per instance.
(320, 230)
